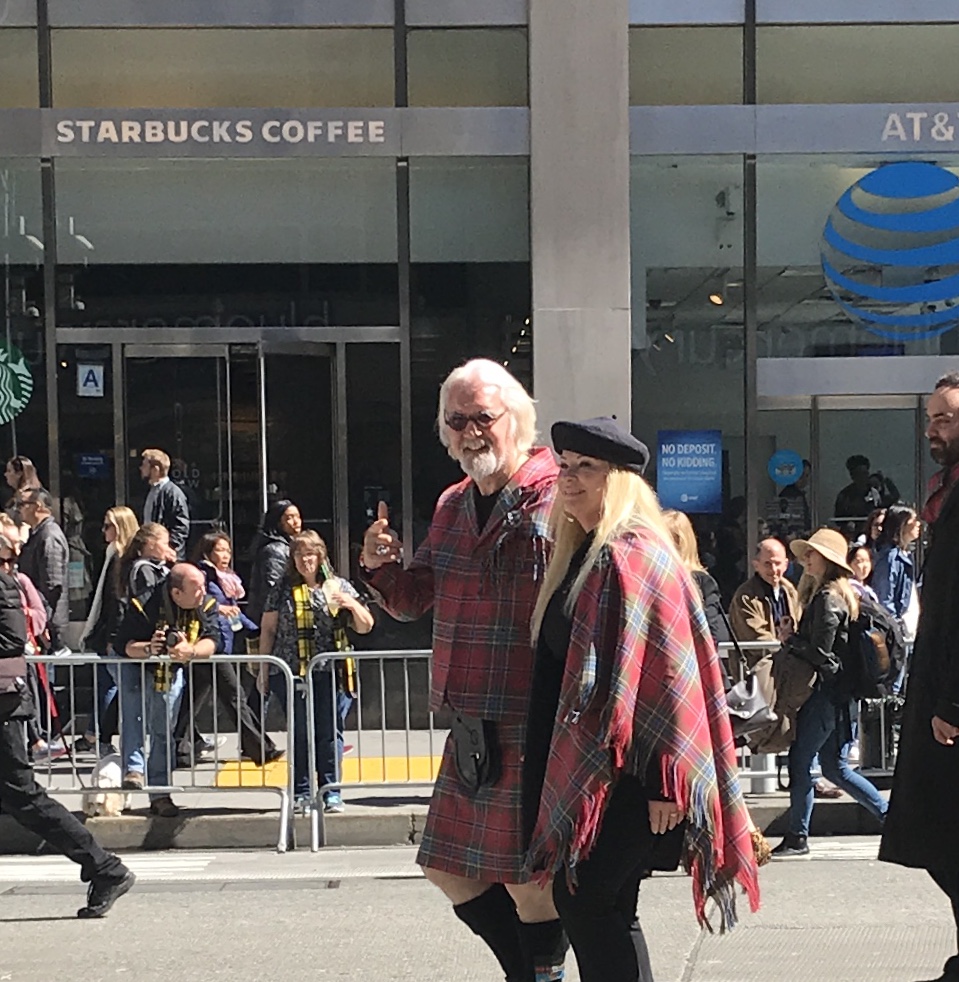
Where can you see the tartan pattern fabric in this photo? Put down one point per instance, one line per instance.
(642, 690)
(479, 835)
(305, 639)
(481, 587)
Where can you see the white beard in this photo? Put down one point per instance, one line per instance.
(480, 465)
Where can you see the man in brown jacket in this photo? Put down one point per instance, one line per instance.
(766, 607)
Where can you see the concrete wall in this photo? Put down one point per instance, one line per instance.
(579, 203)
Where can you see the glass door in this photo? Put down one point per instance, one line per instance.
(199, 404)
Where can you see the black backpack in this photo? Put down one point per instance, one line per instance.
(876, 653)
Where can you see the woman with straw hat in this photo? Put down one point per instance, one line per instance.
(824, 725)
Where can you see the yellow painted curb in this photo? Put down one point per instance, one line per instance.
(245, 774)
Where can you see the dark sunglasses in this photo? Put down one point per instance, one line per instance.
(484, 420)
(11, 561)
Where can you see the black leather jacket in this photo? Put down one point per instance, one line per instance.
(823, 635)
(270, 553)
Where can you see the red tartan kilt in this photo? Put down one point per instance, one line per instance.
(479, 836)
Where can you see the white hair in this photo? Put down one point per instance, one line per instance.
(519, 404)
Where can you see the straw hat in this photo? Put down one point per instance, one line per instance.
(828, 543)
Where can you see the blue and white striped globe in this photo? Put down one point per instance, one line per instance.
(890, 251)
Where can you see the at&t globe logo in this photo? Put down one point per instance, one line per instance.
(890, 251)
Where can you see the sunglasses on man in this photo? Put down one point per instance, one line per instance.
(484, 420)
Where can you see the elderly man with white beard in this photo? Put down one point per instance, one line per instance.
(479, 571)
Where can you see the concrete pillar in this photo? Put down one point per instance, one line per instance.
(579, 201)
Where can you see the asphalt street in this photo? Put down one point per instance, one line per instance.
(367, 914)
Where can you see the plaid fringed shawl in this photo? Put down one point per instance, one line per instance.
(643, 687)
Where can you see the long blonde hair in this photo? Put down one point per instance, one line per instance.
(837, 580)
(629, 503)
(684, 538)
(124, 520)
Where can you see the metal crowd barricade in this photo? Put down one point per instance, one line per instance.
(380, 769)
(66, 775)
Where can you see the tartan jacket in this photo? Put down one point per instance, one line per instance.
(642, 692)
(481, 587)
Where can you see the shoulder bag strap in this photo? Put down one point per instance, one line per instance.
(740, 654)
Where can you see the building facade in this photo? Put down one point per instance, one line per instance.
(259, 235)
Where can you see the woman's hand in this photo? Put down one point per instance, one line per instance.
(229, 610)
(664, 816)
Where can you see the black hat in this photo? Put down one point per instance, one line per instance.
(604, 439)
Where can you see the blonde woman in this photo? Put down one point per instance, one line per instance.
(627, 714)
(684, 538)
(120, 525)
(824, 725)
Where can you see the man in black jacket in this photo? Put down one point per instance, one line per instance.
(20, 795)
(165, 502)
(45, 558)
(920, 829)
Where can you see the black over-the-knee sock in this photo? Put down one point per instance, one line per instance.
(545, 945)
(492, 917)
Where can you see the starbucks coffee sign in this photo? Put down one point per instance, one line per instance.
(16, 382)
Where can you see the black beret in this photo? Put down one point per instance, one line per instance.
(604, 439)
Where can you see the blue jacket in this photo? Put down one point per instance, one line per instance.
(225, 646)
(893, 579)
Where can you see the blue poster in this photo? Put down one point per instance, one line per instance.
(689, 471)
(92, 465)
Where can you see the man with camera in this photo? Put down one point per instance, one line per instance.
(20, 795)
(176, 620)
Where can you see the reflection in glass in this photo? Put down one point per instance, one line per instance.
(237, 243)
(159, 67)
(685, 66)
(19, 76)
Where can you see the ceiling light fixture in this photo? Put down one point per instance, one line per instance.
(716, 299)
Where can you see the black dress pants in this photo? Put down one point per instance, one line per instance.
(254, 741)
(599, 913)
(27, 803)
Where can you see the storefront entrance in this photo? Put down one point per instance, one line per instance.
(244, 424)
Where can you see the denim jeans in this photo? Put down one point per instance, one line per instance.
(817, 731)
(162, 709)
(139, 697)
(132, 677)
(328, 734)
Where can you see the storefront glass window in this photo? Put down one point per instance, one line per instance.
(23, 416)
(470, 291)
(214, 68)
(241, 243)
(678, 66)
(19, 81)
(687, 249)
(857, 63)
(467, 67)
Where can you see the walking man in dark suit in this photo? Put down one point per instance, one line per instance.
(920, 829)
(166, 503)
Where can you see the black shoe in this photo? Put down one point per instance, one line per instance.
(103, 893)
(792, 845)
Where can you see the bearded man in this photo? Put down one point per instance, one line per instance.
(479, 571)
(920, 827)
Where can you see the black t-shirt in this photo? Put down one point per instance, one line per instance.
(485, 503)
(157, 609)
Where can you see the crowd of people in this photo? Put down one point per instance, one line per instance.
(575, 636)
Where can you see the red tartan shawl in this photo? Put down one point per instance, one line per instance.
(643, 687)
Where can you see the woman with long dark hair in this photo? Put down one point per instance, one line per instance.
(824, 725)
(894, 573)
(270, 552)
(20, 474)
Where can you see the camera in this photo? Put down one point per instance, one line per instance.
(172, 638)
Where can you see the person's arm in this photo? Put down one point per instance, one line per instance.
(883, 582)
(54, 558)
(712, 607)
(178, 518)
(361, 616)
(818, 647)
(750, 618)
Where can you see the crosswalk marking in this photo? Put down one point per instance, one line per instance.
(54, 869)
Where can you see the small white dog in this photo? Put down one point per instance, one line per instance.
(107, 774)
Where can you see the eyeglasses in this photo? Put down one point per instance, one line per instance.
(484, 420)
(9, 561)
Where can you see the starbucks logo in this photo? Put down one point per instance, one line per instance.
(16, 383)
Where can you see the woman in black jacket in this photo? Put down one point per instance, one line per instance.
(270, 553)
(824, 725)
